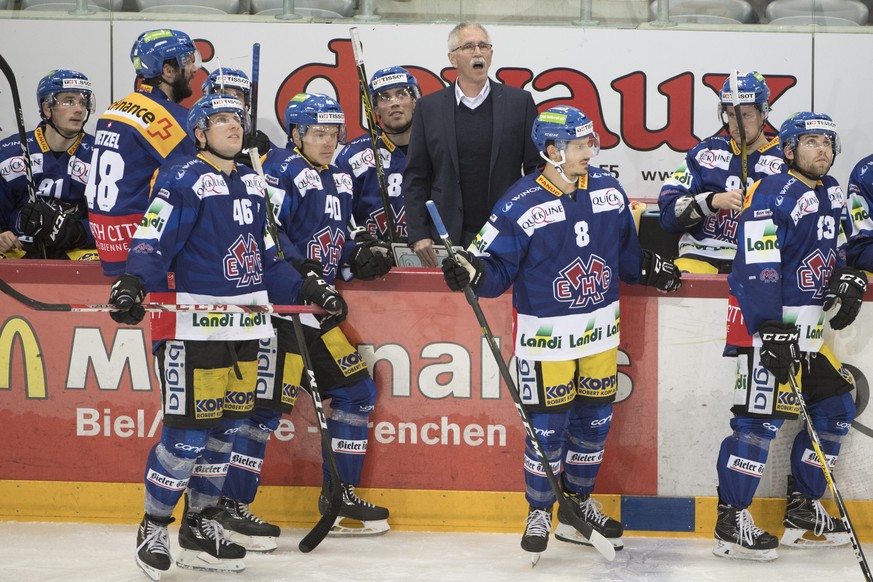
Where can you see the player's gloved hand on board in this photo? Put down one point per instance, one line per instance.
(372, 257)
(467, 270)
(127, 295)
(317, 291)
(846, 289)
(779, 348)
(659, 272)
(50, 225)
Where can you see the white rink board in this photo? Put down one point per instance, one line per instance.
(695, 386)
(603, 56)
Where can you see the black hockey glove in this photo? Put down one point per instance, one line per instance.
(127, 295)
(372, 258)
(308, 267)
(779, 349)
(315, 290)
(259, 140)
(467, 270)
(845, 289)
(659, 273)
(51, 226)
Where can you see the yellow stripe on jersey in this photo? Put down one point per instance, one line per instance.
(157, 126)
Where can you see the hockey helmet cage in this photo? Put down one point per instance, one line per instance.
(305, 109)
(563, 124)
(226, 78)
(804, 123)
(63, 81)
(154, 47)
(209, 105)
(390, 78)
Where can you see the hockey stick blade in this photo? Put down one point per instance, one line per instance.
(311, 540)
(165, 307)
(600, 543)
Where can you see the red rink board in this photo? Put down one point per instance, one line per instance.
(437, 425)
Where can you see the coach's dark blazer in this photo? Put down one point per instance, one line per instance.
(432, 158)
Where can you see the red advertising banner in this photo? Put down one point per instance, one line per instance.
(79, 400)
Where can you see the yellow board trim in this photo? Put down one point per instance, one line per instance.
(411, 510)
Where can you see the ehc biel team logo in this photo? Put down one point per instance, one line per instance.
(326, 247)
(815, 272)
(242, 263)
(582, 283)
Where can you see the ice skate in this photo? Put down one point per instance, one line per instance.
(374, 519)
(243, 527)
(536, 533)
(205, 544)
(737, 536)
(153, 546)
(589, 509)
(808, 524)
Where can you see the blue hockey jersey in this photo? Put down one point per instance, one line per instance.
(563, 256)
(313, 207)
(713, 165)
(356, 159)
(203, 240)
(790, 240)
(59, 177)
(135, 136)
(859, 252)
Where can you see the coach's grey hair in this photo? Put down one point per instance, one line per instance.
(456, 32)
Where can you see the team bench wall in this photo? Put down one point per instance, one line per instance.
(79, 408)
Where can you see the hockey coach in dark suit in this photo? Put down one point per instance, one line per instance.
(469, 144)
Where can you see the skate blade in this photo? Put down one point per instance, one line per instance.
(150, 571)
(804, 538)
(260, 544)
(206, 562)
(368, 528)
(535, 558)
(568, 533)
(724, 549)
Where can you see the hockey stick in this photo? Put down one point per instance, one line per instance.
(372, 127)
(596, 538)
(22, 137)
(165, 307)
(325, 524)
(744, 156)
(822, 460)
(256, 68)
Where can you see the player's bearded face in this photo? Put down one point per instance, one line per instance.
(814, 154)
(394, 108)
(578, 154)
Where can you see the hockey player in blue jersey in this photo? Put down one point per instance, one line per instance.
(702, 200)
(203, 240)
(312, 200)
(562, 237)
(859, 251)
(135, 136)
(789, 270)
(55, 224)
(393, 93)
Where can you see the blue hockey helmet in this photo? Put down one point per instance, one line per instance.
(390, 78)
(305, 109)
(209, 105)
(63, 81)
(804, 123)
(563, 124)
(222, 79)
(752, 89)
(154, 47)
